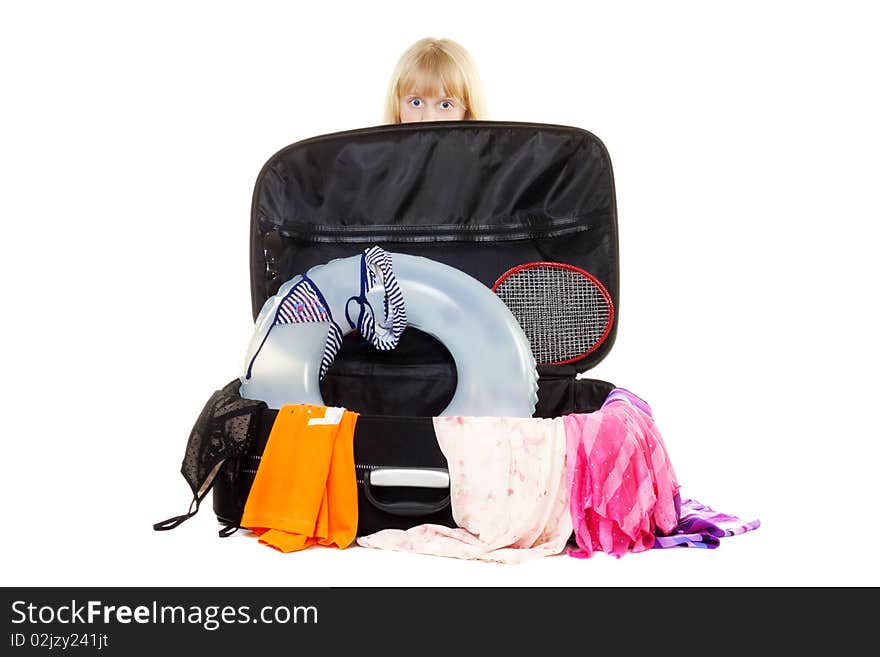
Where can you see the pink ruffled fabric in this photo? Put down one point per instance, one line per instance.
(621, 480)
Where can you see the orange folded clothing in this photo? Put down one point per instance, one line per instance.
(305, 491)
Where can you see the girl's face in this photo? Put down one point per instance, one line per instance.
(416, 107)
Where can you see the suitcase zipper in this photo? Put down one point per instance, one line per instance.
(254, 462)
(360, 470)
(425, 234)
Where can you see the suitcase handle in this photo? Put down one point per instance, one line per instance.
(410, 477)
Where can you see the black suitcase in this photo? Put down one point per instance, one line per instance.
(528, 210)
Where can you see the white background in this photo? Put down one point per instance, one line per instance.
(745, 146)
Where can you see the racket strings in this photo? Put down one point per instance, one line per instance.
(564, 313)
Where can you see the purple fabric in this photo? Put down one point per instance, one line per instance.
(702, 527)
(622, 394)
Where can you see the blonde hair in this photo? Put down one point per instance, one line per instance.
(432, 66)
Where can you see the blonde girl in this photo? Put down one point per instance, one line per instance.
(434, 80)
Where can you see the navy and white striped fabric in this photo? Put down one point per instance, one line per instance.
(377, 270)
(303, 304)
(331, 347)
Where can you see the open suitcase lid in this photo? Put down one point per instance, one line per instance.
(483, 196)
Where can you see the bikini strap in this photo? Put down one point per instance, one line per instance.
(173, 522)
(377, 270)
(303, 304)
(229, 530)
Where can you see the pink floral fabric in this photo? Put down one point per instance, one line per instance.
(622, 484)
(508, 489)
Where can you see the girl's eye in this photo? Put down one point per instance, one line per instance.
(446, 104)
(416, 102)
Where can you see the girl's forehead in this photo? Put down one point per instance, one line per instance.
(431, 93)
(424, 83)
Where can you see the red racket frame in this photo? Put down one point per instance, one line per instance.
(582, 272)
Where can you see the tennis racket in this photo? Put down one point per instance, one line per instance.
(565, 312)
